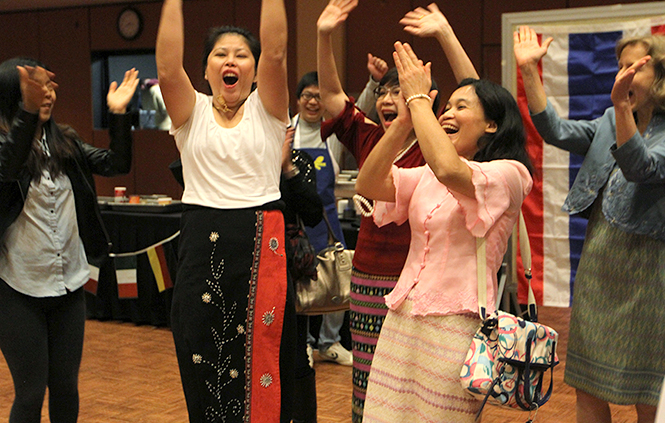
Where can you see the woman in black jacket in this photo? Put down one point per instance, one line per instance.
(49, 223)
(298, 189)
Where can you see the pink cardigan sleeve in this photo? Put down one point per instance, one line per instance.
(499, 185)
(405, 181)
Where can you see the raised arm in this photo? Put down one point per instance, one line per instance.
(431, 22)
(438, 150)
(333, 96)
(271, 74)
(625, 122)
(177, 90)
(377, 68)
(528, 52)
(375, 179)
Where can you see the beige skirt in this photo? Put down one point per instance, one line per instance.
(415, 374)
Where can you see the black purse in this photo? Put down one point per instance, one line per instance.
(300, 253)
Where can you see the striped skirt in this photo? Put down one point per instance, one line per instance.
(617, 324)
(368, 309)
(416, 371)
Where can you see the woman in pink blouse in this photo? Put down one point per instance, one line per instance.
(476, 177)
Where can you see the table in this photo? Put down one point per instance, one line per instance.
(133, 231)
(129, 232)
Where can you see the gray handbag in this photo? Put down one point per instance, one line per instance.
(331, 291)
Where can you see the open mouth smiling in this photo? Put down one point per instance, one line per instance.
(230, 79)
(389, 116)
(450, 129)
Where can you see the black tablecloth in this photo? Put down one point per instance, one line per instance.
(130, 232)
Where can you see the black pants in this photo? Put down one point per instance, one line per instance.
(42, 341)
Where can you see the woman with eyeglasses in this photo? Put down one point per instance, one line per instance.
(380, 252)
(325, 152)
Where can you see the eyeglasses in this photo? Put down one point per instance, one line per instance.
(382, 91)
(307, 96)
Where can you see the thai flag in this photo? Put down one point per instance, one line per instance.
(578, 74)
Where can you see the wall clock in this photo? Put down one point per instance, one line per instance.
(130, 23)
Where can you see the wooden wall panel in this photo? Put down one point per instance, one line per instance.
(304, 46)
(372, 28)
(590, 3)
(247, 13)
(105, 185)
(492, 63)
(492, 10)
(65, 47)
(200, 16)
(292, 53)
(153, 152)
(104, 34)
(463, 17)
(306, 16)
(19, 35)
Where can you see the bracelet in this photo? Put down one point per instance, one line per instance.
(415, 96)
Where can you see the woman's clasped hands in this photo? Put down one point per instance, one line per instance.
(415, 78)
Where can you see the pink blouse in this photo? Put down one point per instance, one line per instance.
(441, 264)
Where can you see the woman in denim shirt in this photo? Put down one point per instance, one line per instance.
(617, 318)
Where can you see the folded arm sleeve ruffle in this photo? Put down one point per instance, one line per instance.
(497, 185)
(405, 181)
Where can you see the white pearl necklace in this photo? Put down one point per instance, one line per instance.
(362, 204)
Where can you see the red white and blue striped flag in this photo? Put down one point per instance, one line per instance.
(578, 74)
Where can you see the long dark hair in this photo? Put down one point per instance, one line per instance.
(499, 106)
(61, 147)
(215, 33)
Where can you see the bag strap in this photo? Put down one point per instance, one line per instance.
(332, 239)
(525, 252)
(481, 270)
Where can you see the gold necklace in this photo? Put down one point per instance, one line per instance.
(221, 107)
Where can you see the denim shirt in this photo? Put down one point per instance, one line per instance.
(634, 194)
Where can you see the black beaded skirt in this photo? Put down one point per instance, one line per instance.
(231, 321)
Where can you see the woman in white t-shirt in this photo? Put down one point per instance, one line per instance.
(230, 313)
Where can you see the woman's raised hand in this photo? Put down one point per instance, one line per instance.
(528, 51)
(119, 96)
(621, 89)
(287, 150)
(376, 66)
(36, 82)
(415, 78)
(423, 22)
(334, 14)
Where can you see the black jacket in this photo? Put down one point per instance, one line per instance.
(15, 178)
(299, 193)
